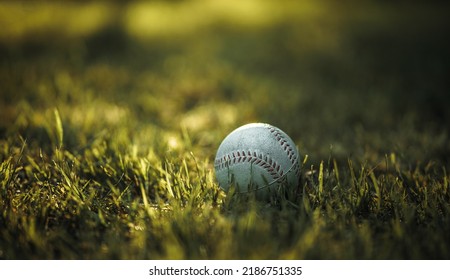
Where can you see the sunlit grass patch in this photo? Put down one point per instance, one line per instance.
(113, 201)
(69, 20)
(107, 140)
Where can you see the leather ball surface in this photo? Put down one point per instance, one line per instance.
(257, 157)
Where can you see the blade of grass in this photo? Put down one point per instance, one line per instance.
(59, 128)
(377, 189)
(321, 180)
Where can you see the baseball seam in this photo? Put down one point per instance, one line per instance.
(290, 151)
(265, 162)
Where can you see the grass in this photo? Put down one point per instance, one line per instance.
(107, 149)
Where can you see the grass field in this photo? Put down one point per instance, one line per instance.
(111, 115)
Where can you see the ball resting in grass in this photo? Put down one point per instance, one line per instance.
(258, 158)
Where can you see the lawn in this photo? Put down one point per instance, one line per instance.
(111, 115)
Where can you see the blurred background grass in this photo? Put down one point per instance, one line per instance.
(348, 78)
(137, 86)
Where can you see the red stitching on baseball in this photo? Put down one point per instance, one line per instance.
(269, 165)
(287, 148)
(261, 160)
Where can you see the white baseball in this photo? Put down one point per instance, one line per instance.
(257, 157)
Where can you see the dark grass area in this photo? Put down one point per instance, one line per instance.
(107, 137)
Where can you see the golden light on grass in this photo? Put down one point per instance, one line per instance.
(25, 19)
(162, 19)
(107, 153)
(158, 19)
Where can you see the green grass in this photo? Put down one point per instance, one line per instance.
(107, 149)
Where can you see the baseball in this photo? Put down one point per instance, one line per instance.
(257, 157)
